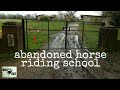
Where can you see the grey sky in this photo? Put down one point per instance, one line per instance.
(49, 12)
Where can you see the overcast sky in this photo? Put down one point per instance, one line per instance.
(49, 12)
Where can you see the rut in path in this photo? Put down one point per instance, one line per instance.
(73, 43)
(73, 38)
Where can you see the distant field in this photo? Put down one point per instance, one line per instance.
(35, 24)
(43, 25)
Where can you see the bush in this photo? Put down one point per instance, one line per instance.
(44, 18)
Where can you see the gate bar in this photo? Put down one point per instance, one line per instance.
(26, 34)
(23, 30)
(66, 36)
(48, 34)
(82, 34)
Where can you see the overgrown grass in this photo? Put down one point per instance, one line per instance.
(41, 39)
(42, 36)
(90, 35)
(90, 39)
(89, 26)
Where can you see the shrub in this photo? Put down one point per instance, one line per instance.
(44, 18)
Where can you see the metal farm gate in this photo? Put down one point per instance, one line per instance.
(39, 34)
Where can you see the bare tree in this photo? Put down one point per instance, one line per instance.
(70, 15)
(115, 17)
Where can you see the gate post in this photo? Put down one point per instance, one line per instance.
(23, 29)
(82, 33)
(108, 38)
(26, 34)
(12, 36)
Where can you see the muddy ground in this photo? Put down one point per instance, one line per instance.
(109, 67)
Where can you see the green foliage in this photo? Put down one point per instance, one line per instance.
(41, 39)
(90, 38)
(115, 17)
(44, 18)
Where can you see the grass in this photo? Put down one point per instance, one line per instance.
(43, 25)
(90, 38)
(41, 39)
(42, 36)
(91, 27)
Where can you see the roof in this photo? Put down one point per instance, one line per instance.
(42, 15)
(92, 16)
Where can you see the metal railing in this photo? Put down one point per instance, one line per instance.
(85, 29)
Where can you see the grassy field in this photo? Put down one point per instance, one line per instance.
(43, 25)
(41, 36)
(41, 39)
